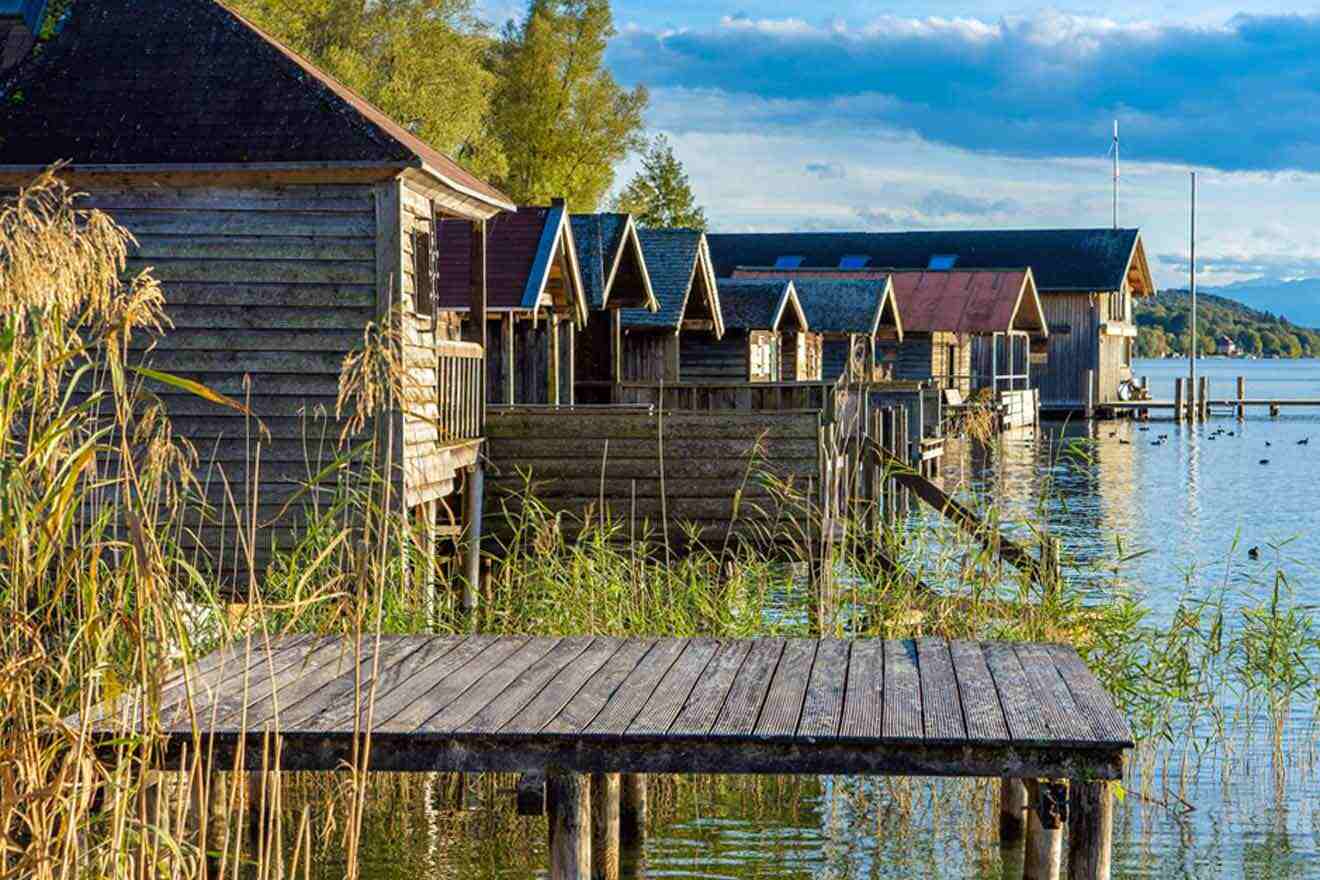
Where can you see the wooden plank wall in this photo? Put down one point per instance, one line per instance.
(577, 457)
(835, 352)
(427, 472)
(593, 359)
(275, 282)
(703, 358)
(1074, 333)
(646, 354)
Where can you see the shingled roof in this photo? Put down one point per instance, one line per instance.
(852, 305)
(1062, 259)
(674, 259)
(608, 247)
(749, 304)
(521, 250)
(188, 83)
(929, 301)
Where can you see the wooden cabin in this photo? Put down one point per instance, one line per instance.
(850, 319)
(688, 314)
(762, 319)
(615, 278)
(1086, 279)
(534, 301)
(282, 213)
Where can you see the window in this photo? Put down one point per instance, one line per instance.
(423, 272)
(942, 261)
(854, 261)
(790, 262)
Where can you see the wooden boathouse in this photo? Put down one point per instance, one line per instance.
(573, 714)
(283, 214)
(688, 313)
(535, 301)
(764, 329)
(615, 278)
(852, 318)
(1086, 279)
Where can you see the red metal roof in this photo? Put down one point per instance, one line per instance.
(953, 301)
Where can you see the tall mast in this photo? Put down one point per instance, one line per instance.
(1191, 348)
(1115, 173)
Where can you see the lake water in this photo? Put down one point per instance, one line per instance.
(1185, 505)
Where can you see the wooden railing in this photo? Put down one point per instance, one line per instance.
(462, 385)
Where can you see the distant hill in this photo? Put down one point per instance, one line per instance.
(1162, 327)
(1298, 301)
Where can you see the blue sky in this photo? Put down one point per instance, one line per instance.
(940, 113)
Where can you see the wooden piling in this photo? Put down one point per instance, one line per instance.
(568, 799)
(472, 560)
(1090, 830)
(530, 794)
(1012, 811)
(1090, 394)
(1144, 414)
(1044, 842)
(632, 807)
(1241, 396)
(605, 826)
(1203, 399)
(1178, 399)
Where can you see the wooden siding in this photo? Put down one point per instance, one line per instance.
(703, 358)
(577, 457)
(1073, 349)
(530, 362)
(276, 284)
(427, 472)
(649, 356)
(835, 351)
(941, 358)
(593, 358)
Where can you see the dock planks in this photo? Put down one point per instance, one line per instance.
(603, 704)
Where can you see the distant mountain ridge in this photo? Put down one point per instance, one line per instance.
(1298, 300)
(1163, 319)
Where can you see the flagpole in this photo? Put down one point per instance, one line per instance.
(1191, 348)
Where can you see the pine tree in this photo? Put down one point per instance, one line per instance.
(560, 117)
(659, 195)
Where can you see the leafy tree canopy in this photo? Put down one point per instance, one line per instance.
(562, 121)
(420, 61)
(659, 195)
(1163, 327)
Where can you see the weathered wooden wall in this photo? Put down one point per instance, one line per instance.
(593, 363)
(835, 352)
(650, 356)
(274, 283)
(579, 457)
(703, 358)
(1074, 323)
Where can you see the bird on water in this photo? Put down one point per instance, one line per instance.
(1254, 553)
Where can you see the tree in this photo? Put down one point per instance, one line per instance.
(420, 61)
(659, 195)
(560, 117)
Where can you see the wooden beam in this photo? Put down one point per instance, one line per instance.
(510, 371)
(1012, 811)
(1044, 847)
(1090, 830)
(632, 808)
(531, 794)
(472, 524)
(477, 263)
(568, 798)
(616, 345)
(552, 377)
(605, 826)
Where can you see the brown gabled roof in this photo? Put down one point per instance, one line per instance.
(192, 82)
(521, 251)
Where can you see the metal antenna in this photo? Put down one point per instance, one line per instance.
(1115, 149)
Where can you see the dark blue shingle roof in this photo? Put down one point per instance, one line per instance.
(1062, 259)
(671, 259)
(751, 304)
(839, 306)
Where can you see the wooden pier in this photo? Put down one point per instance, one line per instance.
(571, 712)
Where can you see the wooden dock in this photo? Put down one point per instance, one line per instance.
(561, 708)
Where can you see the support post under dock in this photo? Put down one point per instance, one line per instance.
(1044, 849)
(1090, 394)
(1090, 830)
(1178, 399)
(472, 559)
(1203, 399)
(1012, 811)
(632, 808)
(1241, 396)
(605, 826)
(568, 800)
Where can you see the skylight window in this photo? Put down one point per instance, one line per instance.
(942, 261)
(854, 261)
(788, 262)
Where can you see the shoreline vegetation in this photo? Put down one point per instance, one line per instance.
(105, 596)
(1163, 328)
